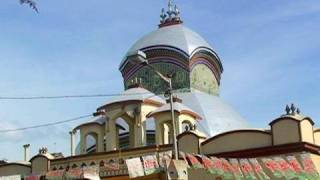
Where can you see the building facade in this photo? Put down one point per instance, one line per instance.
(138, 123)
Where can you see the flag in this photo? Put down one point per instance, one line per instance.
(208, 165)
(13, 177)
(236, 169)
(111, 165)
(75, 173)
(165, 158)
(218, 166)
(183, 155)
(150, 164)
(33, 177)
(55, 175)
(309, 166)
(258, 169)
(247, 169)
(135, 167)
(295, 165)
(195, 163)
(91, 173)
(227, 169)
(285, 167)
(273, 167)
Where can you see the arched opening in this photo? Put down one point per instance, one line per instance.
(91, 142)
(186, 126)
(150, 131)
(124, 137)
(167, 133)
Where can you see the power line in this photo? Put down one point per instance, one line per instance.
(66, 96)
(45, 125)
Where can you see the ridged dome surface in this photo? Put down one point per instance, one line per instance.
(175, 36)
(218, 116)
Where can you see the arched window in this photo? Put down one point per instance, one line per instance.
(124, 134)
(91, 145)
(83, 165)
(186, 125)
(101, 163)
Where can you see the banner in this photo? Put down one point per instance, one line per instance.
(75, 173)
(227, 169)
(135, 167)
(91, 173)
(208, 165)
(13, 177)
(309, 167)
(218, 166)
(237, 173)
(183, 155)
(285, 167)
(165, 158)
(195, 163)
(55, 175)
(247, 169)
(258, 169)
(273, 167)
(150, 164)
(33, 177)
(295, 165)
(111, 165)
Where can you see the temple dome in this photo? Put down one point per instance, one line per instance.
(175, 36)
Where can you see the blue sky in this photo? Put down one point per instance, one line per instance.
(269, 50)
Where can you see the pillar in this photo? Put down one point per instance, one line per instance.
(140, 130)
(83, 143)
(100, 143)
(26, 152)
(111, 135)
(159, 133)
(72, 142)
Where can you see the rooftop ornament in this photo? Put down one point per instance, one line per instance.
(171, 17)
(292, 110)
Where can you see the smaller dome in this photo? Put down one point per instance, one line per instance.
(135, 94)
(178, 107)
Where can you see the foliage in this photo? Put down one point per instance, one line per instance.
(31, 3)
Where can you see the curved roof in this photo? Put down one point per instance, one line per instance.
(181, 108)
(176, 36)
(99, 120)
(135, 94)
(218, 116)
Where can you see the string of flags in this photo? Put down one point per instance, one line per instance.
(299, 167)
(265, 168)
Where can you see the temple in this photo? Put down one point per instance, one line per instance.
(138, 122)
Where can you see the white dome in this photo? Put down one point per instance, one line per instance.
(218, 116)
(175, 36)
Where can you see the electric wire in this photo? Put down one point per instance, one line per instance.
(67, 96)
(45, 125)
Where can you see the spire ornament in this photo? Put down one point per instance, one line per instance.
(163, 16)
(287, 109)
(171, 16)
(293, 109)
